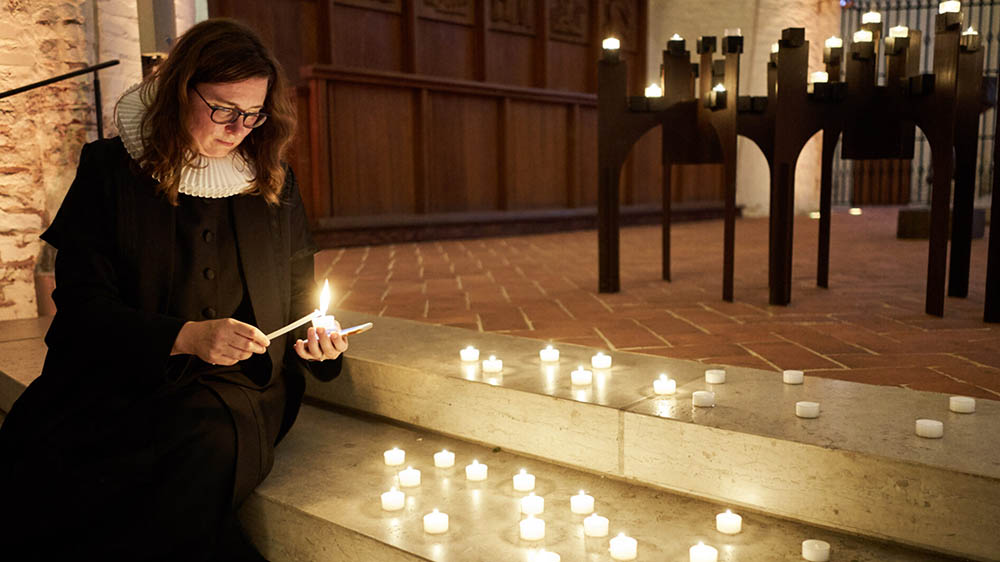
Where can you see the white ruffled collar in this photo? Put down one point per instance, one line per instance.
(209, 177)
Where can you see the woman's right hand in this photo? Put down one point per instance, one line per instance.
(220, 342)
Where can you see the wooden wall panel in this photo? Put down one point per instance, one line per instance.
(363, 38)
(587, 197)
(510, 59)
(446, 49)
(538, 156)
(462, 154)
(571, 67)
(372, 150)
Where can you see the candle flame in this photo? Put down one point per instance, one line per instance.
(719, 88)
(970, 31)
(324, 298)
(676, 37)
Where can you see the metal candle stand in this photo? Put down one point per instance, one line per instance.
(876, 122)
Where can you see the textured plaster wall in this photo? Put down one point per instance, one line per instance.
(761, 22)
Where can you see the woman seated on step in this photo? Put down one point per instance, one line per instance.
(161, 400)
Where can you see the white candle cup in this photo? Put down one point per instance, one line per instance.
(549, 354)
(600, 361)
(962, 404)
(807, 409)
(819, 77)
(624, 547)
(409, 477)
(701, 552)
(476, 472)
(862, 36)
(728, 523)
(492, 365)
(664, 385)
(775, 47)
(581, 377)
(815, 550)
(833, 42)
(950, 7)
(899, 31)
(611, 44)
(546, 556)
(930, 429)
(469, 354)
(653, 91)
(523, 481)
(871, 17)
(595, 526)
(792, 376)
(532, 529)
(581, 504)
(394, 456)
(328, 323)
(436, 522)
(735, 32)
(393, 500)
(444, 459)
(532, 504)
(715, 376)
(703, 399)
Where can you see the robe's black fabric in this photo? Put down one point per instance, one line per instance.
(118, 450)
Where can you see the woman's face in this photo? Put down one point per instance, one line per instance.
(210, 138)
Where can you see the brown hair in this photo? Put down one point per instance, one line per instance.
(215, 50)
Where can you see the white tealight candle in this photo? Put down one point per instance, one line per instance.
(546, 556)
(469, 354)
(676, 37)
(611, 44)
(854, 211)
(834, 42)
(444, 459)
(532, 528)
(950, 7)
(791, 376)
(600, 361)
(549, 354)
(701, 552)
(653, 91)
(970, 31)
(735, 32)
(436, 522)
(715, 376)
(532, 504)
(393, 500)
(815, 550)
(807, 409)
(595, 526)
(899, 31)
(962, 404)
(581, 503)
(819, 77)
(664, 385)
(931, 429)
(775, 47)
(871, 17)
(624, 547)
(492, 365)
(581, 376)
(703, 399)
(728, 523)
(409, 477)
(394, 456)
(523, 481)
(476, 472)
(862, 36)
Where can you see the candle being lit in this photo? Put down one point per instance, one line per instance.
(524, 482)
(834, 42)
(807, 409)
(728, 523)
(715, 376)
(581, 376)
(394, 456)
(492, 365)
(546, 556)
(862, 36)
(703, 399)
(815, 550)
(970, 31)
(871, 17)
(899, 31)
(549, 354)
(791, 376)
(393, 500)
(664, 385)
(444, 459)
(436, 522)
(624, 547)
(595, 526)
(819, 77)
(476, 472)
(611, 44)
(962, 404)
(532, 528)
(581, 503)
(701, 552)
(930, 429)
(469, 354)
(600, 361)
(654, 91)
(532, 504)
(409, 477)
(950, 7)
(324, 303)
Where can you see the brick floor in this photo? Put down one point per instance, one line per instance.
(869, 326)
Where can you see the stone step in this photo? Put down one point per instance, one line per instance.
(322, 502)
(859, 467)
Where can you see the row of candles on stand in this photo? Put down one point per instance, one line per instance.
(861, 36)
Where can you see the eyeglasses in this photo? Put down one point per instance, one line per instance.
(226, 115)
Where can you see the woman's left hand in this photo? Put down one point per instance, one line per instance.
(320, 346)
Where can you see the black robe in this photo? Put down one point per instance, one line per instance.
(118, 450)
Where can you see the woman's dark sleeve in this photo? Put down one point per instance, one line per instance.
(93, 322)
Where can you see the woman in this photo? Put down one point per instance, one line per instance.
(161, 399)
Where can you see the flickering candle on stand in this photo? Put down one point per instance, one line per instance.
(962, 404)
(469, 354)
(611, 44)
(703, 399)
(871, 17)
(775, 47)
(950, 7)
(581, 376)
(715, 376)
(600, 361)
(409, 477)
(492, 365)
(792, 376)
(532, 504)
(624, 547)
(728, 523)
(476, 472)
(807, 409)
(819, 77)
(735, 32)
(833, 42)
(394, 456)
(654, 91)
(393, 500)
(532, 528)
(815, 550)
(701, 552)
(436, 522)
(524, 482)
(595, 526)
(899, 31)
(862, 36)
(930, 429)
(664, 385)
(549, 354)
(444, 459)
(582, 504)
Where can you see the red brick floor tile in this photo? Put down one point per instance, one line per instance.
(667, 325)
(868, 360)
(626, 333)
(510, 319)
(701, 316)
(985, 357)
(817, 341)
(790, 356)
(591, 341)
(697, 352)
(749, 361)
(984, 377)
(948, 386)
(884, 376)
(465, 325)
(561, 330)
(545, 312)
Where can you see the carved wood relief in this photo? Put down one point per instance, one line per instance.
(394, 6)
(620, 18)
(569, 20)
(515, 16)
(453, 11)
